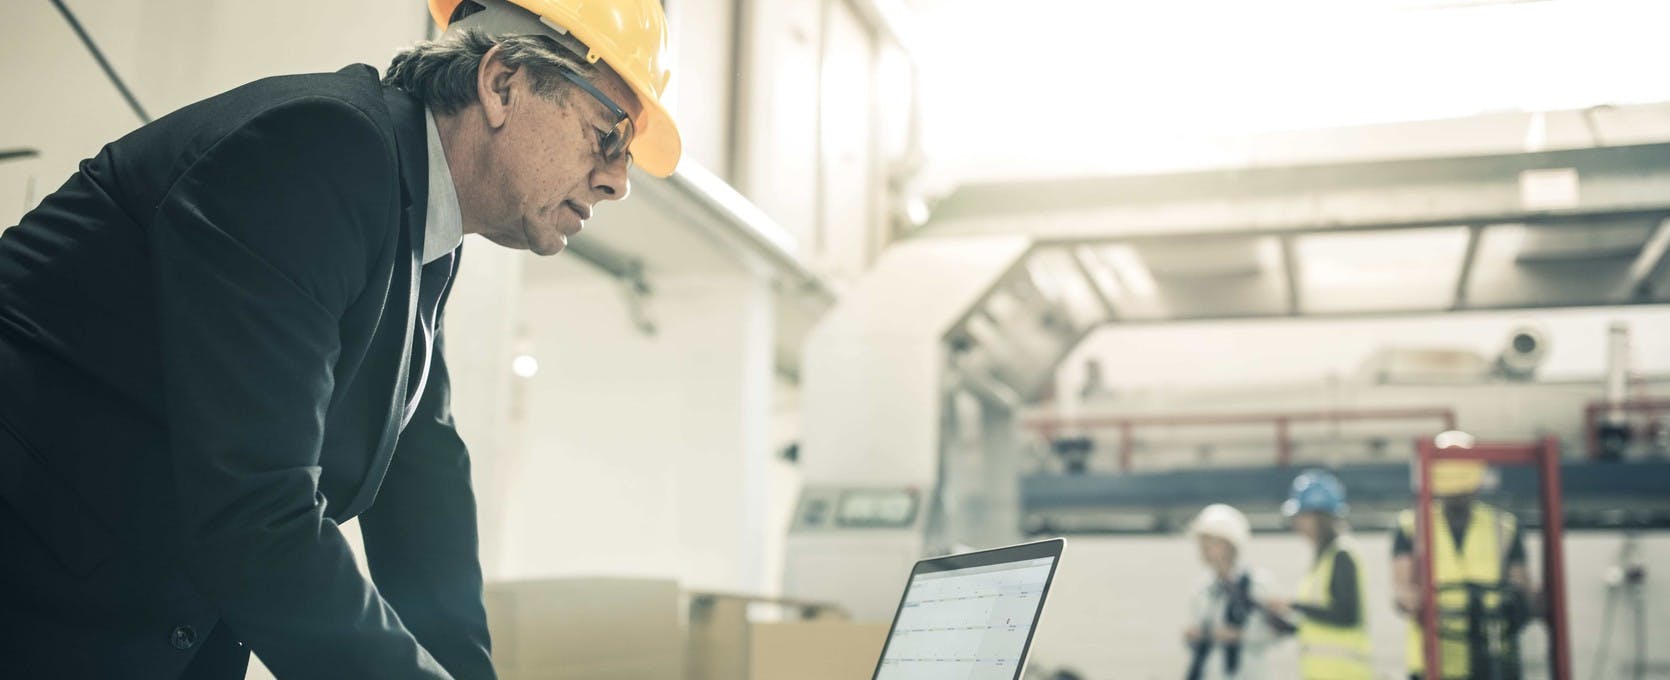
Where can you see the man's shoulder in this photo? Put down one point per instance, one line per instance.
(352, 89)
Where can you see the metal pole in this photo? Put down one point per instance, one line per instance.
(1554, 559)
(1591, 431)
(1284, 447)
(1126, 445)
(1426, 452)
(98, 56)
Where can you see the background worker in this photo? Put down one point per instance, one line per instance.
(1228, 633)
(1332, 626)
(1480, 576)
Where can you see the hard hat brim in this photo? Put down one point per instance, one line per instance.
(657, 146)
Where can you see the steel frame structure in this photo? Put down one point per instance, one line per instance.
(1543, 455)
(1592, 417)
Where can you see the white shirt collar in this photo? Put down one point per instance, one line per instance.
(443, 225)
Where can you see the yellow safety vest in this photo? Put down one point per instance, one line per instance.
(1332, 652)
(1479, 562)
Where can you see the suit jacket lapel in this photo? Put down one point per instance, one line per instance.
(412, 150)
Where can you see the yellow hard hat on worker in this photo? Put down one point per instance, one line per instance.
(1454, 476)
(1457, 477)
(628, 35)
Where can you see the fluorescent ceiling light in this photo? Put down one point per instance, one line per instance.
(1128, 265)
(1100, 275)
(1043, 279)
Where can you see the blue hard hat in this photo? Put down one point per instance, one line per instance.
(1316, 491)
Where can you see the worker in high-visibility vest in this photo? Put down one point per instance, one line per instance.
(1332, 623)
(1480, 576)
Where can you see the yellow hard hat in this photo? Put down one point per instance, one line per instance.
(1457, 477)
(631, 37)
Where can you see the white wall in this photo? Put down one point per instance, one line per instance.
(778, 172)
(704, 78)
(481, 319)
(643, 455)
(171, 53)
(808, 102)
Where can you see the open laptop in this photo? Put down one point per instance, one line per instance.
(970, 616)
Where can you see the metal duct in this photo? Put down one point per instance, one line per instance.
(1526, 349)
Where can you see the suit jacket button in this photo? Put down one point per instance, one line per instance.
(184, 637)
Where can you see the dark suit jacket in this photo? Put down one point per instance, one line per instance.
(205, 339)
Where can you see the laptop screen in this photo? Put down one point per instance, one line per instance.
(969, 616)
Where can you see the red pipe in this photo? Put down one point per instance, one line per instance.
(1425, 452)
(1554, 558)
(1046, 426)
(1046, 422)
(1284, 446)
(1127, 446)
(1591, 430)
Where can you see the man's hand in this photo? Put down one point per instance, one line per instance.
(1278, 606)
(1408, 602)
(1227, 635)
(1192, 635)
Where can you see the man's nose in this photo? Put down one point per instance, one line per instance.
(610, 181)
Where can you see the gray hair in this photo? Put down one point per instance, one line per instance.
(442, 73)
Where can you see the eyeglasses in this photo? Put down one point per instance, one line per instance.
(611, 145)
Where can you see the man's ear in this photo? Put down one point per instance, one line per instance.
(492, 85)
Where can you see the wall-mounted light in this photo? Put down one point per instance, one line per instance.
(524, 366)
(916, 210)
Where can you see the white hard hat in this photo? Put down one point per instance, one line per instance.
(1223, 522)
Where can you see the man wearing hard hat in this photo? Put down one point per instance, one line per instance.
(221, 338)
(1480, 573)
(1228, 633)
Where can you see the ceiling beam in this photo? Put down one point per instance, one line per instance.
(1290, 274)
(1468, 257)
(1650, 264)
(1404, 193)
(1077, 256)
(1580, 219)
(1497, 175)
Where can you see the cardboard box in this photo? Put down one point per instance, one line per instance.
(587, 629)
(815, 650)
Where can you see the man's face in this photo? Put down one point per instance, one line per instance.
(1217, 553)
(1308, 524)
(543, 166)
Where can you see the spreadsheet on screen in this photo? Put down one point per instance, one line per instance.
(966, 624)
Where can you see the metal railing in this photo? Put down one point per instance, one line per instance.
(1281, 423)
